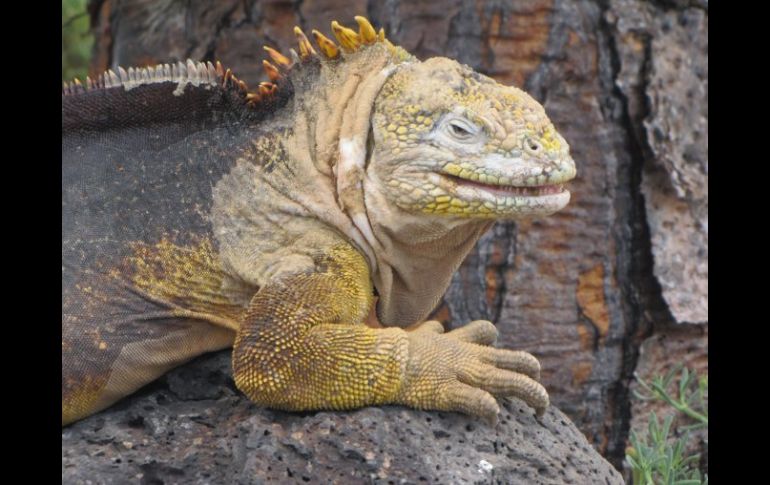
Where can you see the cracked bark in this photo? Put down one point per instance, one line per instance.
(588, 288)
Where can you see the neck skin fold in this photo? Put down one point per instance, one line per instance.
(417, 256)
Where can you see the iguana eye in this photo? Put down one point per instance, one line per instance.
(459, 131)
(462, 130)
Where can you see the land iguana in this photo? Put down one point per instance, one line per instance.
(198, 214)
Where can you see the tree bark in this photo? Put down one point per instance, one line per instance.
(624, 267)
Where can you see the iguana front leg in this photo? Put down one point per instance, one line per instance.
(303, 345)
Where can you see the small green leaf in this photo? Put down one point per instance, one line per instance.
(684, 381)
(658, 458)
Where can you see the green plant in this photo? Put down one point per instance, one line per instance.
(657, 458)
(76, 40)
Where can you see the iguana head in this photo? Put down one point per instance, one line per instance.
(451, 142)
(435, 137)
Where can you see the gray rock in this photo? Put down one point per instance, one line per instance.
(667, 52)
(192, 426)
(677, 131)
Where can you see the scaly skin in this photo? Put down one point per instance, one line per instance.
(380, 172)
(304, 346)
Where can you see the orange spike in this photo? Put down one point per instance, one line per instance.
(305, 48)
(347, 38)
(327, 46)
(242, 85)
(365, 30)
(220, 70)
(266, 89)
(277, 57)
(271, 70)
(253, 97)
(381, 35)
(226, 77)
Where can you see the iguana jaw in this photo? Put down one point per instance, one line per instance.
(551, 195)
(510, 201)
(510, 190)
(536, 190)
(481, 187)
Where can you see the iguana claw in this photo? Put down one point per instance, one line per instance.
(459, 371)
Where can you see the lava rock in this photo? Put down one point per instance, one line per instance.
(171, 432)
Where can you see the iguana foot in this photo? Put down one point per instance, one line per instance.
(459, 371)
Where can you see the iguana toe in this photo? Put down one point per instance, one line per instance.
(478, 331)
(428, 326)
(473, 401)
(515, 360)
(501, 382)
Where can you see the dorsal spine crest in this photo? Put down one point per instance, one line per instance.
(206, 73)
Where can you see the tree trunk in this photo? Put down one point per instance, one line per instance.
(624, 267)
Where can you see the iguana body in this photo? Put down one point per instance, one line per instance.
(197, 216)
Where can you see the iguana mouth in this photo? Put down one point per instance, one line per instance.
(510, 190)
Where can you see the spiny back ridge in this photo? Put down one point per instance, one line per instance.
(200, 73)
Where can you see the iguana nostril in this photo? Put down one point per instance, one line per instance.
(532, 145)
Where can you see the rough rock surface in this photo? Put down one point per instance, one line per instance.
(662, 51)
(664, 54)
(192, 426)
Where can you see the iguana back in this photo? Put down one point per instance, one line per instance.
(141, 282)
